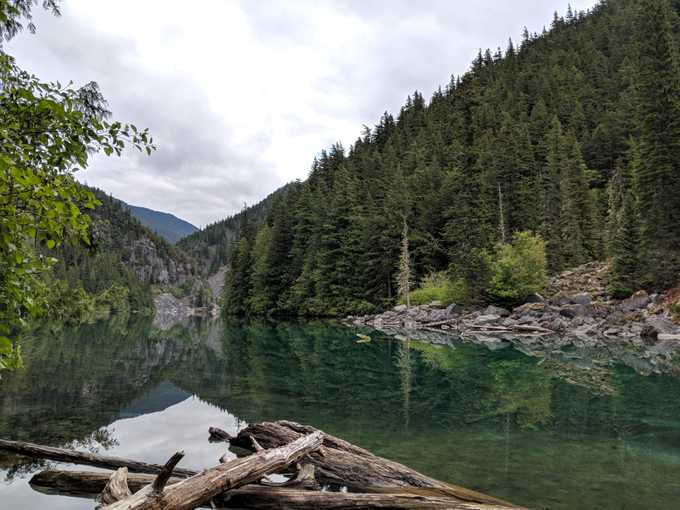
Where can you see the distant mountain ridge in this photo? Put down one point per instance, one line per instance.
(212, 245)
(168, 226)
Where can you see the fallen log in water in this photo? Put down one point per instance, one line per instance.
(341, 463)
(201, 488)
(89, 484)
(85, 458)
(373, 482)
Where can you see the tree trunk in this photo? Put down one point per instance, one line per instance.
(201, 488)
(341, 463)
(86, 458)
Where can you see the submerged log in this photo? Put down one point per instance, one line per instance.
(87, 484)
(201, 488)
(341, 463)
(85, 458)
(265, 498)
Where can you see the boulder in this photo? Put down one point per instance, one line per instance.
(452, 309)
(486, 319)
(400, 308)
(637, 301)
(534, 298)
(582, 298)
(496, 310)
(577, 310)
(660, 325)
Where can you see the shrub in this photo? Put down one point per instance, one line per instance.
(437, 287)
(518, 269)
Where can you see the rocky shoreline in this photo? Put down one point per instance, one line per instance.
(575, 311)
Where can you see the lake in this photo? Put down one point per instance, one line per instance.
(546, 433)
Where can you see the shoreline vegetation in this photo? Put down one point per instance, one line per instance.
(575, 309)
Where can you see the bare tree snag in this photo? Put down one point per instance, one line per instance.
(203, 487)
(116, 488)
(341, 463)
(86, 458)
(163, 477)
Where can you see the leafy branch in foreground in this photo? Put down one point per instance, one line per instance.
(47, 133)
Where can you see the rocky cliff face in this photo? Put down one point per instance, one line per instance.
(154, 267)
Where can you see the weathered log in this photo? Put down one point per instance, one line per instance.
(162, 479)
(341, 463)
(115, 489)
(201, 488)
(218, 435)
(446, 322)
(265, 498)
(84, 484)
(86, 458)
(304, 479)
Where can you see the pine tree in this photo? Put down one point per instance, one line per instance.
(624, 277)
(550, 208)
(658, 173)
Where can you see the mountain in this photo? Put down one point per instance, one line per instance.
(117, 271)
(565, 136)
(211, 246)
(169, 227)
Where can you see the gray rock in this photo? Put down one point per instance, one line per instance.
(535, 298)
(583, 298)
(637, 301)
(496, 310)
(452, 309)
(575, 310)
(486, 319)
(660, 324)
(667, 337)
(400, 308)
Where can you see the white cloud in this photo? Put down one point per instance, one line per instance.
(241, 95)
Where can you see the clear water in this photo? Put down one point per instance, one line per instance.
(496, 421)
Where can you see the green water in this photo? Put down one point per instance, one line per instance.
(496, 421)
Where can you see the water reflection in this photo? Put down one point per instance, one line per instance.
(499, 421)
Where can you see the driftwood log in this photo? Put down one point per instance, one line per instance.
(203, 487)
(115, 489)
(85, 458)
(341, 463)
(373, 482)
(88, 484)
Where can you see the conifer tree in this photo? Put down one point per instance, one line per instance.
(624, 277)
(658, 173)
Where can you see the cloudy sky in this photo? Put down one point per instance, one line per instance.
(240, 95)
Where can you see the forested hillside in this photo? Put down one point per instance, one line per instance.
(168, 226)
(212, 245)
(116, 271)
(572, 134)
